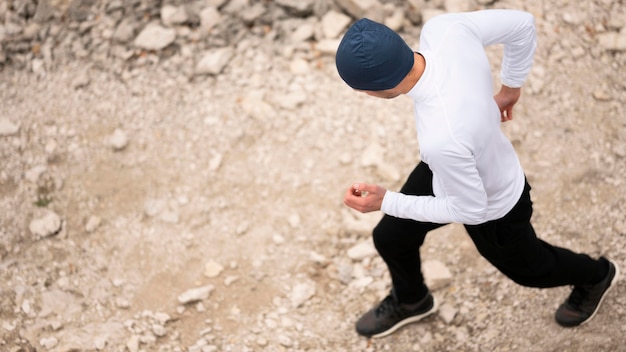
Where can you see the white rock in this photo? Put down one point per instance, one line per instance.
(278, 239)
(152, 207)
(294, 220)
(334, 23)
(256, 107)
(293, 100)
(285, 340)
(613, 40)
(133, 344)
(302, 33)
(427, 14)
(209, 18)
(301, 293)
(195, 294)
(33, 174)
(100, 343)
(155, 37)
(159, 330)
(81, 80)
(328, 46)
(172, 15)
(162, 318)
(212, 269)
(169, 216)
(362, 250)
(297, 6)
(118, 140)
(49, 342)
(214, 61)
(362, 282)
(359, 223)
(373, 155)
(362, 8)
(92, 223)
(215, 162)
(45, 226)
(299, 67)
(230, 279)
(436, 274)
(7, 128)
(26, 308)
(396, 20)
(122, 303)
(458, 5)
(447, 313)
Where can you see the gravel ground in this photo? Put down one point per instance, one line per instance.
(146, 209)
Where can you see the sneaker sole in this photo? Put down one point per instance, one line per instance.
(613, 283)
(408, 320)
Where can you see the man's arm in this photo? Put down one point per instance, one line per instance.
(516, 31)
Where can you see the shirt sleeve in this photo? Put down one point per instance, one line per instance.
(516, 30)
(464, 199)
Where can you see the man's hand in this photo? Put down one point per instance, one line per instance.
(364, 197)
(506, 98)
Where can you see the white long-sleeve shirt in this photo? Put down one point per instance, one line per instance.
(477, 176)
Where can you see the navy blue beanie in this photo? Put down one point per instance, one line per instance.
(371, 56)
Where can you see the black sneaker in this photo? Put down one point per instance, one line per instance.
(390, 315)
(584, 301)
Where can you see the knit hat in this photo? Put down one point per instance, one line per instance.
(371, 56)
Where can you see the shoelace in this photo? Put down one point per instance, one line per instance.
(577, 296)
(387, 305)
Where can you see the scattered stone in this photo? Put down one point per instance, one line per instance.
(615, 41)
(118, 140)
(215, 162)
(299, 66)
(195, 294)
(122, 303)
(173, 15)
(447, 313)
(214, 61)
(301, 293)
(437, 275)
(334, 23)
(155, 37)
(48, 225)
(49, 342)
(304, 32)
(7, 128)
(209, 18)
(362, 250)
(34, 173)
(294, 221)
(162, 318)
(153, 207)
(212, 269)
(133, 344)
(298, 7)
(92, 223)
(278, 239)
(159, 330)
(601, 95)
(81, 81)
(169, 216)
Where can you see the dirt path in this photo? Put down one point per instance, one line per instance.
(233, 184)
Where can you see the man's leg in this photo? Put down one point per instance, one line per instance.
(398, 242)
(512, 246)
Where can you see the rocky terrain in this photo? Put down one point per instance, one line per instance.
(173, 171)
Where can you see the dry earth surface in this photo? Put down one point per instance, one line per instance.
(147, 208)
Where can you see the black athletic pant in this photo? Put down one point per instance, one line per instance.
(509, 243)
